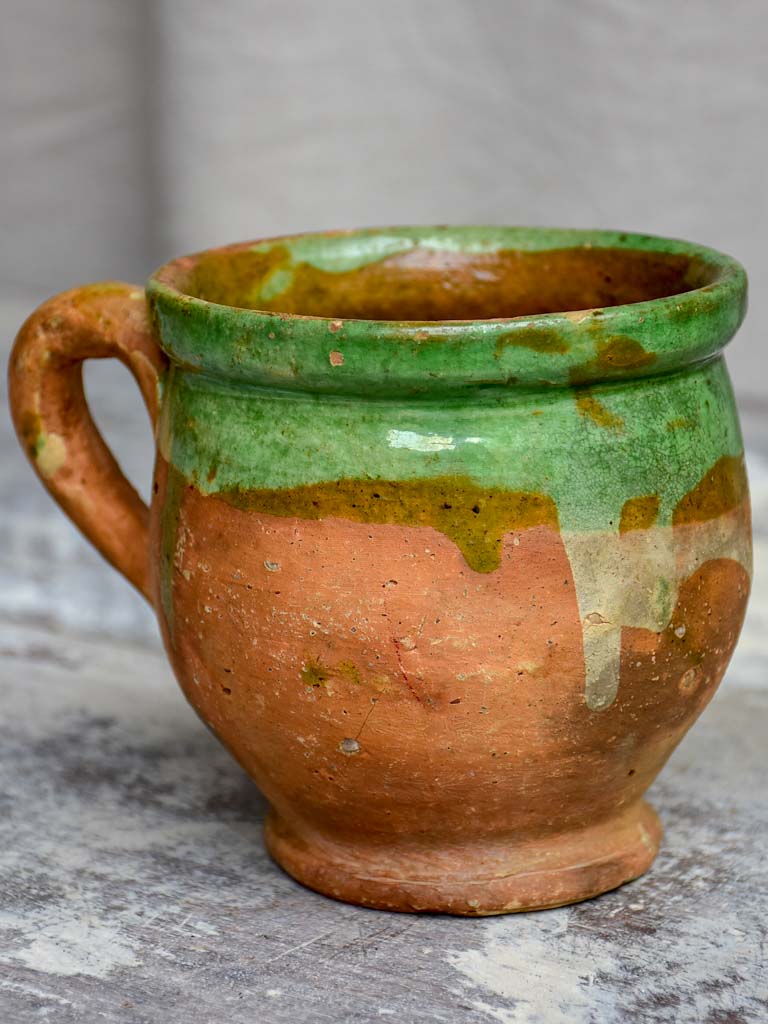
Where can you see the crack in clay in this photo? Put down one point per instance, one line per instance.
(404, 674)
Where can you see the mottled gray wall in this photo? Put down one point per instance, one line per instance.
(130, 138)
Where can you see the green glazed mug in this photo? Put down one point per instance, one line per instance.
(449, 539)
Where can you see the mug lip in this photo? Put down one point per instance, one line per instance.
(716, 307)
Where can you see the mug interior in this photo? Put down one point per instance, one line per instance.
(346, 277)
(397, 311)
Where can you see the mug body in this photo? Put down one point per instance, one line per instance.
(451, 545)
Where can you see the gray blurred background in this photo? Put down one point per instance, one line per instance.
(134, 130)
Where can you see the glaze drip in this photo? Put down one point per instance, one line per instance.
(625, 576)
(475, 518)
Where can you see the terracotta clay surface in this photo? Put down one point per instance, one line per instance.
(451, 593)
(475, 680)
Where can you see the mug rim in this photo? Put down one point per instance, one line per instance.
(325, 353)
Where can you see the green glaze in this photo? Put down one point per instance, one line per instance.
(588, 409)
(397, 358)
(227, 439)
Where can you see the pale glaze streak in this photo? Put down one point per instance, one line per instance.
(632, 580)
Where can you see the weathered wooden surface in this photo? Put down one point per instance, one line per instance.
(136, 889)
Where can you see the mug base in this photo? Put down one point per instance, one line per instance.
(477, 879)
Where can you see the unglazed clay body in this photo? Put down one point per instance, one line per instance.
(449, 540)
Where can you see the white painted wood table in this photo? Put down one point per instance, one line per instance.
(136, 888)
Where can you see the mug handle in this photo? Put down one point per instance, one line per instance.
(54, 424)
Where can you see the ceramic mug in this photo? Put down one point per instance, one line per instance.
(449, 539)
